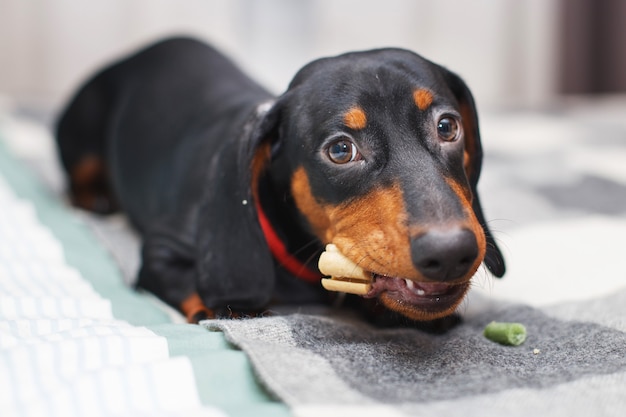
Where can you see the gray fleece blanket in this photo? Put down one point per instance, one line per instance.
(573, 363)
(555, 185)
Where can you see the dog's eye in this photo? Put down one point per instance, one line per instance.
(448, 128)
(343, 151)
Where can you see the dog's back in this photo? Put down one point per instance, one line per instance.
(144, 117)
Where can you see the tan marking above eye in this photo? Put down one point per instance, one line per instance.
(422, 98)
(355, 118)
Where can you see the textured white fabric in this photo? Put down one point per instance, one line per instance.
(62, 353)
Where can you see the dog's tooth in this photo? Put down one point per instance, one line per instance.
(414, 288)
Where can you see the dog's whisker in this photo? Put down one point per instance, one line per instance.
(482, 279)
(307, 245)
(312, 258)
(490, 222)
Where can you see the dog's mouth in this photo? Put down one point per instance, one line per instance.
(417, 300)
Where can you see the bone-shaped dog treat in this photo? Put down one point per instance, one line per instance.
(345, 275)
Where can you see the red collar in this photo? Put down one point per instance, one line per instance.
(280, 252)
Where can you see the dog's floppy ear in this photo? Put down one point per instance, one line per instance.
(235, 268)
(473, 163)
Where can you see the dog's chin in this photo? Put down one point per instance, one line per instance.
(418, 301)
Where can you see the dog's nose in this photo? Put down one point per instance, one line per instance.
(444, 255)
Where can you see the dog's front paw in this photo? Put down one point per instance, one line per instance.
(194, 309)
(230, 313)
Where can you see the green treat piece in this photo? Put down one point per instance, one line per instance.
(512, 334)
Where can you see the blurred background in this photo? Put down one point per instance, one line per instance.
(511, 52)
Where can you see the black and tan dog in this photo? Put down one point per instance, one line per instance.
(235, 192)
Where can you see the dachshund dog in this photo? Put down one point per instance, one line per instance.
(235, 192)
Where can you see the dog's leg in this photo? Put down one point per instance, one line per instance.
(168, 271)
(81, 135)
(89, 185)
(194, 310)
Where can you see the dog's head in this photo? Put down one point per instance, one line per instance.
(380, 152)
